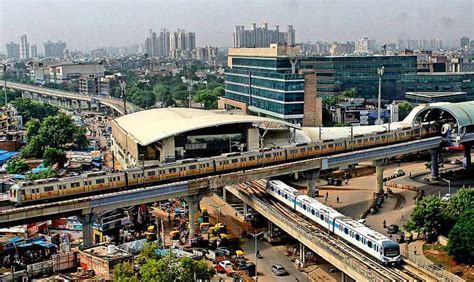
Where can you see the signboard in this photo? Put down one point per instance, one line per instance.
(352, 117)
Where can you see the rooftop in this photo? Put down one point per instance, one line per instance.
(153, 125)
(436, 94)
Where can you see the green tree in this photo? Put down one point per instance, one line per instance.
(12, 95)
(191, 269)
(428, 216)
(52, 156)
(124, 272)
(147, 253)
(460, 203)
(17, 166)
(207, 97)
(163, 93)
(58, 131)
(461, 238)
(32, 128)
(143, 98)
(219, 91)
(29, 109)
(163, 270)
(34, 148)
(404, 108)
(45, 174)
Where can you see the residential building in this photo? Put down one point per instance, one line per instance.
(54, 49)
(69, 71)
(264, 82)
(24, 47)
(262, 36)
(170, 44)
(11, 124)
(98, 53)
(33, 51)
(13, 50)
(93, 86)
(39, 72)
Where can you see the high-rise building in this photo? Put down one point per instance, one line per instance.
(13, 50)
(190, 41)
(170, 44)
(362, 45)
(164, 43)
(24, 47)
(54, 49)
(262, 36)
(465, 42)
(33, 51)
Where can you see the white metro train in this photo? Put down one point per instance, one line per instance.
(369, 241)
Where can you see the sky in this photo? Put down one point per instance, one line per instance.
(86, 24)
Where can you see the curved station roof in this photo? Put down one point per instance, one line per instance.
(463, 112)
(156, 124)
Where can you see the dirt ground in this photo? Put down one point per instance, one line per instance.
(438, 254)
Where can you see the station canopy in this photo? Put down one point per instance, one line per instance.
(150, 126)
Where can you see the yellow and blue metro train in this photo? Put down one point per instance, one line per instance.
(29, 192)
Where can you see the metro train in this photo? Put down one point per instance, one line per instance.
(48, 189)
(369, 241)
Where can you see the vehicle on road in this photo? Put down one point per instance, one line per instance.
(225, 264)
(393, 229)
(241, 264)
(456, 162)
(446, 197)
(399, 172)
(279, 270)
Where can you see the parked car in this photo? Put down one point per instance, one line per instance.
(399, 172)
(393, 229)
(225, 264)
(278, 269)
(456, 162)
(241, 264)
(447, 197)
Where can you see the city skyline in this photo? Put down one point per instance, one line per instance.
(128, 23)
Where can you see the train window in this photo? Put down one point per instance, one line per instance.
(304, 206)
(346, 230)
(271, 188)
(252, 158)
(369, 243)
(312, 212)
(75, 184)
(235, 160)
(322, 217)
(192, 167)
(172, 170)
(48, 188)
(99, 181)
(151, 173)
(268, 155)
(286, 197)
(279, 193)
(357, 237)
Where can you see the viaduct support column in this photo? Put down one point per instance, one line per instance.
(193, 203)
(302, 255)
(467, 155)
(379, 168)
(434, 163)
(86, 221)
(311, 176)
(246, 209)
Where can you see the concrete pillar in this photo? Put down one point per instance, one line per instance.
(193, 202)
(346, 278)
(467, 155)
(311, 176)
(89, 105)
(434, 163)
(270, 229)
(302, 254)
(87, 220)
(224, 194)
(379, 168)
(246, 209)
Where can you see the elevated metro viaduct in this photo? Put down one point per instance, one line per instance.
(72, 100)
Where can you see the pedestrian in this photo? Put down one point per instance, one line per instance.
(384, 224)
(414, 250)
(337, 199)
(403, 217)
(326, 199)
(327, 195)
(347, 181)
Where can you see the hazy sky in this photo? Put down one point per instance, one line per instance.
(85, 25)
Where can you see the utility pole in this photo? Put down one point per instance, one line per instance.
(380, 73)
(124, 96)
(255, 235)
(5, 83)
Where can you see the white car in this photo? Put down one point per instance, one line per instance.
(225, 264)
(399, 172)
(447, 197)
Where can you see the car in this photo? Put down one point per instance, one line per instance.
(399, 172)
(225, 264)
(241, 264)
(278, 269)
(456, 162)
(447, 197)
(393, 229)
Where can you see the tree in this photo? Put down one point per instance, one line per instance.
(404, 108)
(461, 238)
(460, 203)
(163, 270)
(45, 174)
(219, 91)
(428, 216)
(198, 269)
(147, 253)
(124, 272)
(52, 156)
(207, 97)
(32, 127)
(34, 148)
(17, 166)
(29, 109)
(59, 131)
(143, 98)
(163, 93)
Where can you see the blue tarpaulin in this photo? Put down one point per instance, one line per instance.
(6, 156)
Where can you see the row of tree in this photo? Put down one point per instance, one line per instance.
(454, 218)
(163, 269)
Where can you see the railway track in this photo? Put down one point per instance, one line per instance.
(256, 191)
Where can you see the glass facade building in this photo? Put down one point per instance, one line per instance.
(267, 86)
(439, 82)
(336, 74)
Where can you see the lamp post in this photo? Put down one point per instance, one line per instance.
(5, 83)
(255, 235)
(449, 185)
(124, 96)
(380, 73)
(142, 157)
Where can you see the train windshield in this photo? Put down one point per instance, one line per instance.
(392, 251)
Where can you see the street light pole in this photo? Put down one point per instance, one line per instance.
(380, 73)
(124, 97)
(255, 235)
(5, 83)
(449, 184)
